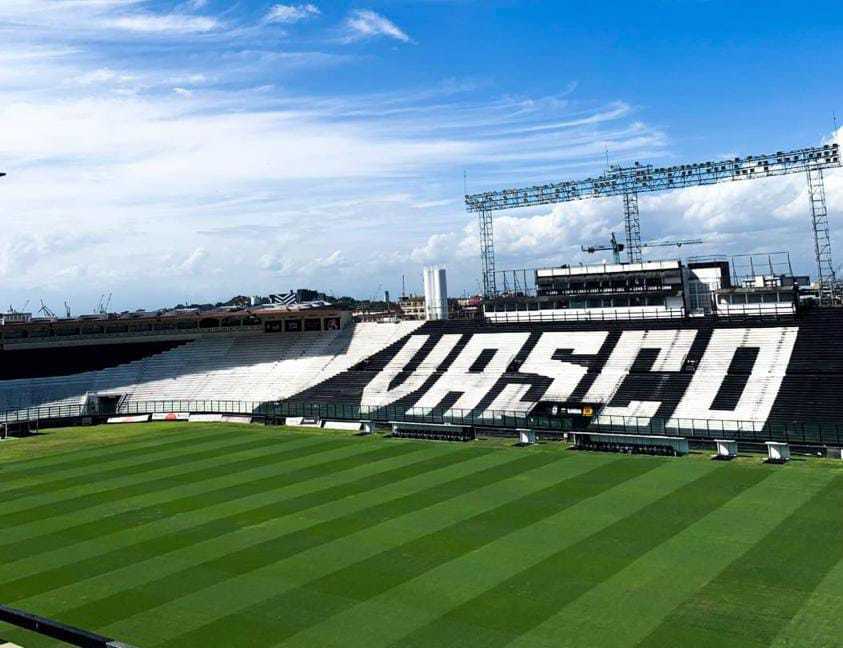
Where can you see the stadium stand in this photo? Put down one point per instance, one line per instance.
(729, 374)
(251, 367)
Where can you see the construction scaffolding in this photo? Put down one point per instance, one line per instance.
(826, 281)
(632, 226)
(629, 181)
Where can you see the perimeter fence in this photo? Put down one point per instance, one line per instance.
(802, 433)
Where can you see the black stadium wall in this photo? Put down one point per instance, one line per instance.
(761, 371)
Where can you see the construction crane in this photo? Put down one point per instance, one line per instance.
(12, 308)
(617, 248)
(103, 304)
(629, 181)
(45, 310)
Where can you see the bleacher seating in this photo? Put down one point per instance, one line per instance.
(248, 367)
(729, 375)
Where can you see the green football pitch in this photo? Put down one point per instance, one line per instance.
(232, 535)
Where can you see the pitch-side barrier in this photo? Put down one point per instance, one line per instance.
(809, 435)
(57, 630)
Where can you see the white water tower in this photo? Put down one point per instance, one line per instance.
(435, 293)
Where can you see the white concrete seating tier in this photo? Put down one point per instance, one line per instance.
(252, 367)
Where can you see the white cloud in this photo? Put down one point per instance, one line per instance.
(282, 13)
(436, 249)
(297, 266)
(276, 264)
(193, 262)
(29, 54)
(249, 181)
(732, 219)
(104, 75)
(333, 259)
(289, 168)
(164, 23)
(363, 24)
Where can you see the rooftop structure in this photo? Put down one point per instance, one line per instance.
(627, 182)
(177, 323)
(665, 289)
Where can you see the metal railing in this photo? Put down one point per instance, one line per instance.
(57, 630)
(750, 312)
(804, 433)
(625, 314)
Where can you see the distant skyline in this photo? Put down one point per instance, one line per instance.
(198, 149)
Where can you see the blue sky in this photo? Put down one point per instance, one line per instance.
(198, 149)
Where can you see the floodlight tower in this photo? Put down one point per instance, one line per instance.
(629, 181)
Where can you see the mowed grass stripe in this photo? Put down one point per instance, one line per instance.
(639, 597)
(123, 505)
(158, 547)
(416, 602)
(70, 535)
(754, 598)
(296, 570)
(522, 602)
(112, 542)
(252, 558)
(139, 574)
(815, 624)
(141, 439)
(223, 459)
(299, 608)
(110, 545)
(204, 447)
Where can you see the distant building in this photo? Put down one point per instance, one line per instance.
(14, 318)
(298, 296)
(308, 295)
(648, 290)
(412, 306)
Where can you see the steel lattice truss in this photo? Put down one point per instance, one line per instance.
(621, 180)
